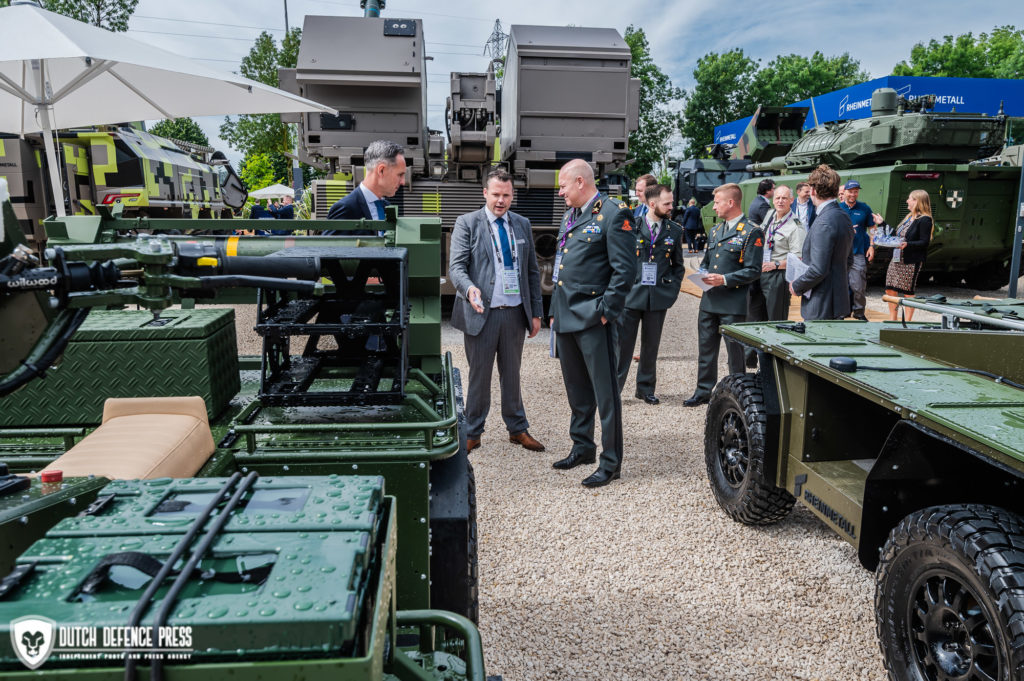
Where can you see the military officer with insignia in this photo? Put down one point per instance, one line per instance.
(659, 253)
(594, 271)
(732, 261)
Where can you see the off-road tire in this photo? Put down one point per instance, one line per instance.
(949, 595)
(472, 563)
(734, 451)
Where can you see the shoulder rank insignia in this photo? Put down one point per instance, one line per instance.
(622, 205)
(626, 227)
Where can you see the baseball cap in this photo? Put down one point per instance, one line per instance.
(852, 184)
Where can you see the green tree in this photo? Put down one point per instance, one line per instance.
(648, 144)
(996, 55)
(263, 133)
(112, 15)
(722, 93)
(184, 129)
(791, 78)
(257, 171)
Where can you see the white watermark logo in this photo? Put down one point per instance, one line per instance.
(36, 639)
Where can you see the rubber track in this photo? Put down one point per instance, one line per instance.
(762, 502)
(989, 538)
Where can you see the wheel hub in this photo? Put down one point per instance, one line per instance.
(733, 456)
(951, 633)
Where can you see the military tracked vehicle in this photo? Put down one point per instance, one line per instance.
(905, 146)
(149, 175)
(906, 440)
(566, 93)
(305, 513)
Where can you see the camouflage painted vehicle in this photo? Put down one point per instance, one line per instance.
(149, 175)
(313, 512)
(904, 146)
(906, 440)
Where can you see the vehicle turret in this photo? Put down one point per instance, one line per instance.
(898, 131)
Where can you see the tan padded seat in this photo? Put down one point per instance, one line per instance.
(144, 437)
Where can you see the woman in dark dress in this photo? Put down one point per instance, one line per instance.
(908, 259)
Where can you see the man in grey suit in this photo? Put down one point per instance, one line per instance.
(493, 267)
(827, 252)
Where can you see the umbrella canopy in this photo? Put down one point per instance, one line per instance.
(274, 191)
(59, 72)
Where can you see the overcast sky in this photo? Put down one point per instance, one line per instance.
(878, 33)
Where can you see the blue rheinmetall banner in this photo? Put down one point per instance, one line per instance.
(965, 95)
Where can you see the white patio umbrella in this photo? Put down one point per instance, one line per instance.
(59, 72)
(274, 191)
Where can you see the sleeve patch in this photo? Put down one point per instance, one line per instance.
(758, 243)
(626, 227)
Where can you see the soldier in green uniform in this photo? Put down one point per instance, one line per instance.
(732, 261)
(659, 273)
(594, 270)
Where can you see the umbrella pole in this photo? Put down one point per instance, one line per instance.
(51, 152)
(51, 161)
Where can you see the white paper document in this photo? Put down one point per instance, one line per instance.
(696, 279)
(795, 269)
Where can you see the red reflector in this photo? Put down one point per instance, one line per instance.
(51, 476)
(920, 176)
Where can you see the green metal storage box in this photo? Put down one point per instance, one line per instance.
(127, 354)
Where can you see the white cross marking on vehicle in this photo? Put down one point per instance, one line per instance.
(954, 199)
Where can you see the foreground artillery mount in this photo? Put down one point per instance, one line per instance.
(321, 490)
(907, 441)
(904, 146)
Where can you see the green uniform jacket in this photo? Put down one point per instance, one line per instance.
(737, 254)
(597, 265)
(668, 256)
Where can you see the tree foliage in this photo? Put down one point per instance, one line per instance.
(996, 55)
(731, 85)
(263, 133)
(184, 129)
(112, 15)
(257, 172)
(648, 144)
(722, 93)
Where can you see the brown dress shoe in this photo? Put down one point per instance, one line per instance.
(471, 444)
(526, 440)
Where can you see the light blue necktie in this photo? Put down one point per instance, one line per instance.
(506, 249)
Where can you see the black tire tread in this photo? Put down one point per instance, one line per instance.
(989, 538)
(762, 502)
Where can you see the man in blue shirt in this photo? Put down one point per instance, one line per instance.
(863, 251)
(642, 183)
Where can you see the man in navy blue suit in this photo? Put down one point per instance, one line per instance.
(384, 164)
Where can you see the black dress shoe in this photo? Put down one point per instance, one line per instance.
(649, 399)
(600, 478)
(860, 317)
(574, 459)
(696, 401)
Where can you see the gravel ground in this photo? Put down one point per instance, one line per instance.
(647, 578)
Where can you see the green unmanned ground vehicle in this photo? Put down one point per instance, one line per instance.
(305, 513)
(907, 439)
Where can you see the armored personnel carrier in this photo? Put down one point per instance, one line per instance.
(149, 175)
(307, 512)
(906, 440)
(905, 146)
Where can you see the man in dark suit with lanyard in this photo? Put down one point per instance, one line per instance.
(493, 267)
(384, 167)
(594, 269)
(659, 253)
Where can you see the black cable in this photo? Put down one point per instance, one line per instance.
(39, 367)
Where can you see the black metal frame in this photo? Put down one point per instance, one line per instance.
(367, 314)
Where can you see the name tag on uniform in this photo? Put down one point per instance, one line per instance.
(558, 265)
(510, 281)
(649, 274)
